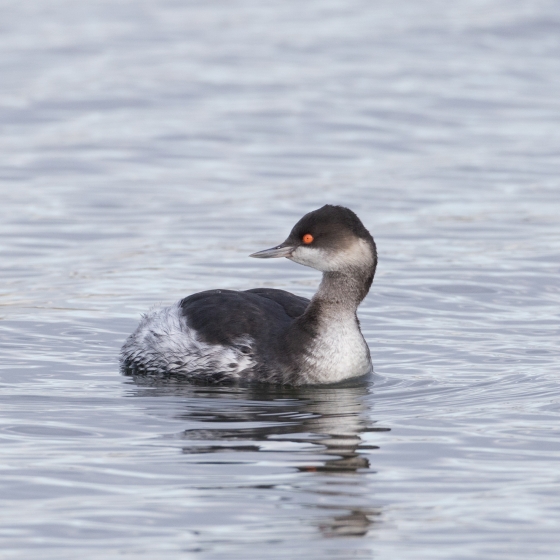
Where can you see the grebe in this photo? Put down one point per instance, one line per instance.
(269, 335)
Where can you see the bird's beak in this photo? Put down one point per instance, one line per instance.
(282, 250)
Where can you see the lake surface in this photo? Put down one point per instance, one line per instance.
(148, 147)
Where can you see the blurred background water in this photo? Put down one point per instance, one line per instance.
(147, 147)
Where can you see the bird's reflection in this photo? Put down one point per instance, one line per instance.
(320, 427)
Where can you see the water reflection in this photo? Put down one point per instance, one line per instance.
(314, 431)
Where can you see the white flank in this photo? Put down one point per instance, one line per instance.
(164, 343)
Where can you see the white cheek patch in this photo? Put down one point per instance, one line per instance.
(357, 254)
(311, 256)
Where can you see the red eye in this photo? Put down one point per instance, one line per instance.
(307, 238)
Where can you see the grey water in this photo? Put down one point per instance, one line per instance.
(148, 147)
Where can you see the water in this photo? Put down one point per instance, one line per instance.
(148, 148)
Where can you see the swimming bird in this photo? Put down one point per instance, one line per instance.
(269, 335)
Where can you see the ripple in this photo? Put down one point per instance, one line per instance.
(54, 432)
(462, 289)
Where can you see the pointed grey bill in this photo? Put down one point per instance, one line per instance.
(275, 252)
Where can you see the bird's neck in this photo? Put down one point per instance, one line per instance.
(340, 293)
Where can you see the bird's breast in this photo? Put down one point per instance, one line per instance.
(338, 352)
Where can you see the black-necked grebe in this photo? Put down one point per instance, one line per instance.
(271, 335)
